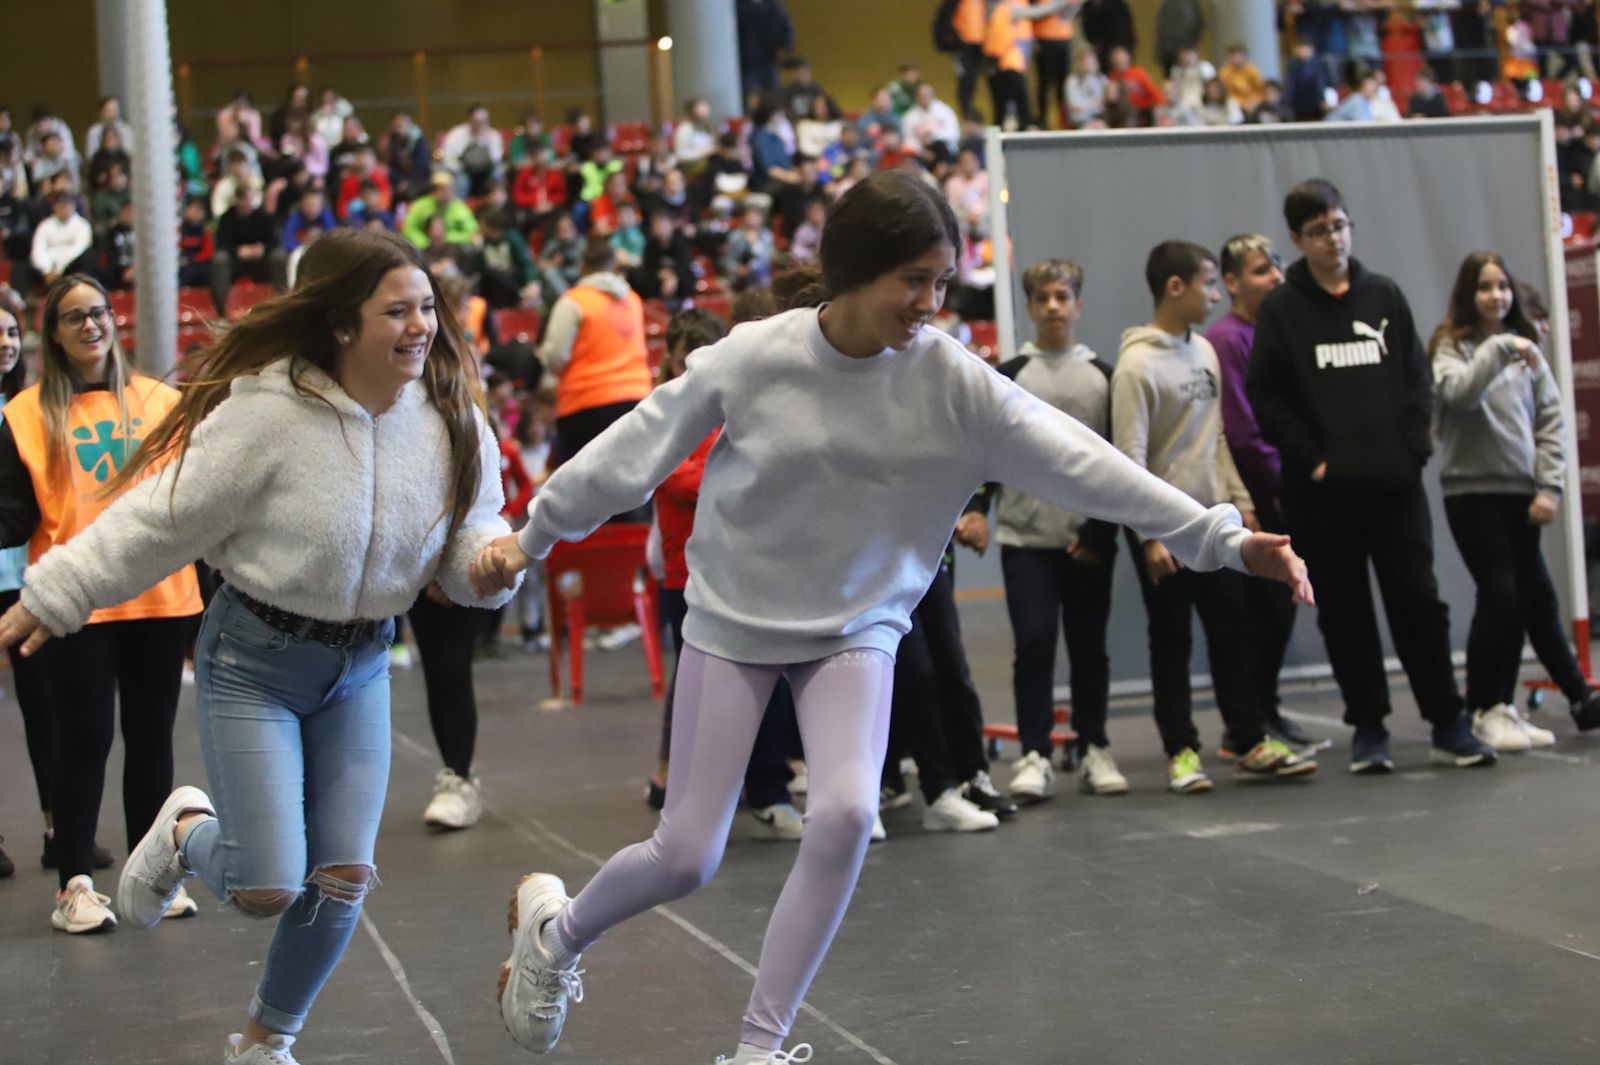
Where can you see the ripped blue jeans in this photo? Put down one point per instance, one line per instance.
(295, 737)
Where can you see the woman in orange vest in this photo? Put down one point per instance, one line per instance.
(61, 441)
(1008, 40)
(968, 21)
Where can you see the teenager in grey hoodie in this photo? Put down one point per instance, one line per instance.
(1166, 416)
(1500, 435)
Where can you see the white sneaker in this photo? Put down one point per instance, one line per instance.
(802, 779)
(275, 1051)
(753, 1055)
(1537, 737)
(779, 822)
(535, 986)
(1099, 774)
(180, 907)
(1033, 779)
(399, 657)
(80, 908)
(153, 873)
(1499, 727)
(456, 802)
(621, 636)
(879, 833)
(951, 813)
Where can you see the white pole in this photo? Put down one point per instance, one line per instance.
(155, 190)
(1560, 355)
(1005, 317)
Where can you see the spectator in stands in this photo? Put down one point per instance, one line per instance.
(604, 208)
(506, 274)
(328, 118)
(351, 142)
(16, 227)
(196, 246)
(537, 188)
(1306, 84)
(53, 158)
(627, 237)
(1108, 24)
(891, 152)
(585, 138)
(1005, 54)
(300, 141)
(1271, 107)
(313, 210)
(595, 170)
(529, 140)
(110, 153)
(283, 192)
(967, 191)
(1427, 100)
(246, 248)
(747, 257)
(1179, 24)
(461, 226)
(1243, 78)
(1357, 107)
(1086, 90)
(238, 173)
(807, 243)
(46, 122)
(1384, 108)
(1115, 111)
(725, 179)
(765, 35)
(1142, 93)
(666, 269)
(694, 137)
(930, 126)
(820, 130)
(1189, 77)
(1472, 26)
(63, 243)
(800, 88)
(879, 118)
(368, 210)
(1052, 36)
(475, 150)
(561, 257)
(838, 156)
(297, 98)
(1216, 109)
(245, 120)
(772, 167)
(595, 345)
(408, 157)
(363, 170)
(116, 252)
(1365, 42)
(110, 118)
(106, 204)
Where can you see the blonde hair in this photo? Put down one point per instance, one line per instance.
(59, 379)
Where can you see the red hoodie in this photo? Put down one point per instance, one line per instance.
(514, 481)
(675, 503)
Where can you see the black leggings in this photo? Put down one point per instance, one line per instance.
(38, 721)
(1515, 596)
(140, 664)
(1054, 59)
(446, 637)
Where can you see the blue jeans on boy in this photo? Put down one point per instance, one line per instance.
(295, 736)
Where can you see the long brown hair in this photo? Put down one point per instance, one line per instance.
(1461, 319)
(339, 273)
(13, 380)
(58, 378)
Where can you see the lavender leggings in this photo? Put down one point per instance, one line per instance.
(842, 703)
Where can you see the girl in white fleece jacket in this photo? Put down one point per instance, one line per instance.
(852, 439)
(297, 477)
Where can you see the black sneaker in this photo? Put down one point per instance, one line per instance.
(1455, 745)
(100, 858)
(656, 794)
(981, 792)
(1586, 715)
(1282, 728)
(7, 866)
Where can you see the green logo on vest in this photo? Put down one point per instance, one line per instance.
(103, 452)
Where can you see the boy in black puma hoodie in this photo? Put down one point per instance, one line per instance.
(1340, 384)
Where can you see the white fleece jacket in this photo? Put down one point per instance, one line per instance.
(314, 507)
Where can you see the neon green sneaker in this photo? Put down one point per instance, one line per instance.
(1185, 775)
(1272, 758)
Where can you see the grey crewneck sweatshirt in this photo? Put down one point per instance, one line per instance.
(836, 483)
(1166, 415)
(1499, 424)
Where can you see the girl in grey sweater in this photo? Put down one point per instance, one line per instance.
(1500, 431)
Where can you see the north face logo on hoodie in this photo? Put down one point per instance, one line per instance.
(1367, 352)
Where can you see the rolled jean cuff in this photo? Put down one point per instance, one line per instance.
(275, 1020)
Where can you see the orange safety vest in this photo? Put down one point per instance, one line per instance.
(94, 453)
(1052, 28)
(968, 21)
(1001, 42)
(609, 363)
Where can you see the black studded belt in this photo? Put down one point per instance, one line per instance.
(336, 634)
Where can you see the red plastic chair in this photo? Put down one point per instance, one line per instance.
(1060, 737)
(986, 338)
(123, 303)
(517, 324)
(5, 271)
(603, 580)
(630, 137)
(1456, 98)
(245, 295)
(195, 306)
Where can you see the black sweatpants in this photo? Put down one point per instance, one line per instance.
(446, 638)
(766, 778)
(1008, 90)
(936, 716)
(139, 664)
(969, 63)
(32, 689)
(1170, 606)
(1515, 596)
(1053, 61)
(574, 431)
(1339, 534)
(1044, 584)
(1270, 609)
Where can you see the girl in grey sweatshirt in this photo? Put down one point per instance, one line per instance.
(853, 438)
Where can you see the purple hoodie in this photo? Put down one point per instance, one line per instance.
(1257, 460)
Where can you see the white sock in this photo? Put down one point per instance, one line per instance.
(564, 958)
(749, 1052)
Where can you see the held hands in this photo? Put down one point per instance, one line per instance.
(1081, 554)
(1320, 472)
(973, 531)
(497, 565)
(1542, 511)
(1250, 520)
(1159, 562)
(20, 623)
(1269, 555)
(435, 593)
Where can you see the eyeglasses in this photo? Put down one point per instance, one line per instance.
(75, 319)
(1328, 232)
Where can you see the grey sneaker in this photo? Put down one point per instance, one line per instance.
(534, 989)
(153, 872)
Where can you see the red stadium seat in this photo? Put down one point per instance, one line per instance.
(245, 295)
(195, 306)
(1456, 98)
(516, 324)
(986, 339)
(603, 580)
(123, 303)
(630, 137)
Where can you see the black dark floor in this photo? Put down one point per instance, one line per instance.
(1432, 917)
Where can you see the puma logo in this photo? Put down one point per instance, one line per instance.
(1362, 329)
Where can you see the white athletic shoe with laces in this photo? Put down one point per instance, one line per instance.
(1501, 728)
(153, 874)
(456, 802)
(180, 907)
(1033, 779)
(1099, 775)
(80, 908)
(536, 986)
(780, 821)
(951, 813)
(1537, 737)
(275, 1051)
(753, 1055)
